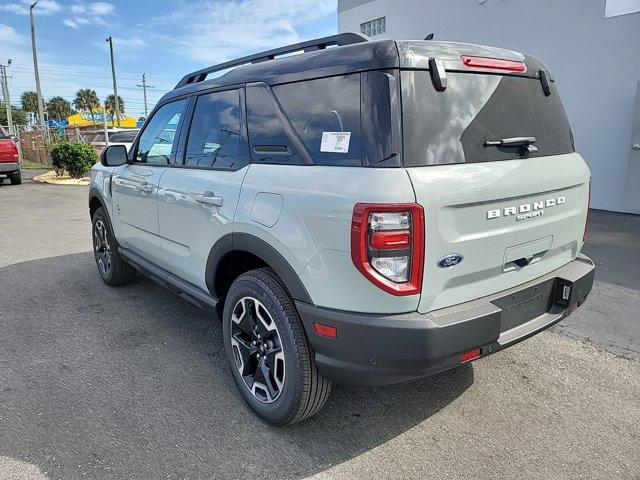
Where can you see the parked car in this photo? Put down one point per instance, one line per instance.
(9, 158)
(117, 136)
(367, 214)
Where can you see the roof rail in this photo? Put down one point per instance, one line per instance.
(308, 46)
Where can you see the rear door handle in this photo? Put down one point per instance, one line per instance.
(208, 198)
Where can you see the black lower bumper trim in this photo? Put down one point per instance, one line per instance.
(386, 349)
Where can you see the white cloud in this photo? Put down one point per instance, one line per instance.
(99, 9)
(124, 47)
(9, 35)
(44, 7)
(217, 31)
(89, 13)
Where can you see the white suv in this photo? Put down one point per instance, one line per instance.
(370, 214)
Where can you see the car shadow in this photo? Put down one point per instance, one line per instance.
(133, 382)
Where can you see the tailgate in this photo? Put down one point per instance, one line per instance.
(512, 221)
(492, 162)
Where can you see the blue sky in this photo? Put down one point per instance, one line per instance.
(162, 38)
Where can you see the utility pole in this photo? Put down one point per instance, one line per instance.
(144, 92)
(35, 65)
(5, 94)
(115, 87)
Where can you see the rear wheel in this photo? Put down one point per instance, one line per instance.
(268, 351)
(16, 178)
(112, 268)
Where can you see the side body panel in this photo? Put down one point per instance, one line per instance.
(101, 186)
(188, 227)
(312, 230)
(135, 209)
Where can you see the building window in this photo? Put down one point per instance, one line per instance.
(374, 27)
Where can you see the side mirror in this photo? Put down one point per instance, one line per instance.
(114, 156)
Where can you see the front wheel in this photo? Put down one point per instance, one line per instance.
(112, 268)
(268, 351)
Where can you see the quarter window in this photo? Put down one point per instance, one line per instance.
(325, 114)
(214, 136)
(159, 137)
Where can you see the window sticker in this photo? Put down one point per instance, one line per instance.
(335, 142)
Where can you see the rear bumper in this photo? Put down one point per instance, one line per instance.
(386, 349)
(9, 167)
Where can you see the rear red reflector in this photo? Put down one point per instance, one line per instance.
(326, 331)
(470, 355)
(493, 63)
(390, 240)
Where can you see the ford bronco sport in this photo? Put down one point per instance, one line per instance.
(369, 213)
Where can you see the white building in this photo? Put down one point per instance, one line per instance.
(591, 46)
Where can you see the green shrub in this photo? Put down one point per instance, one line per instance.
(74, 158)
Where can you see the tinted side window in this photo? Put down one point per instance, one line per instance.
(159, 136)
(214, 136)
(323, 108)
(268, 136)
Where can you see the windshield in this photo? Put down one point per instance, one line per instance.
(4, 135)
(127, 136)
(480, 118)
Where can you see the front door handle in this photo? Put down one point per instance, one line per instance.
(208, 198)
(145, 187)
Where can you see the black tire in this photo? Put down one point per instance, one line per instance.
(16, 178)
(112, 268)
(304, 390)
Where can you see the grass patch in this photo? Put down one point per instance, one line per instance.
(35, 166)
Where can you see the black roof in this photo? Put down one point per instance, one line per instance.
(351, 53)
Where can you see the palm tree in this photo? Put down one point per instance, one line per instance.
(29, 101)
(86, 100)
(59, 108)
(110, 104)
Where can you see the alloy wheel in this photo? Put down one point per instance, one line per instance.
(101, 247)
(257, 349)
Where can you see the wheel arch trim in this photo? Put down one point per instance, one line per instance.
(244, 242)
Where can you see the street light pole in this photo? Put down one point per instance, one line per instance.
(115, 87)
(35, 65)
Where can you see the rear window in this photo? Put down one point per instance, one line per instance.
(452, 126)
(214, 137)
(3, 135)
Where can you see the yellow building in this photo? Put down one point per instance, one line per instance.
(86, 119)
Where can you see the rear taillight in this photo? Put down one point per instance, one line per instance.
(586, 220)
(493, 63)
(387, 245)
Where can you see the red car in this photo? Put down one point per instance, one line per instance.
(9, 158)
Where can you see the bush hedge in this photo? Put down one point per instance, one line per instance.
(74, 158)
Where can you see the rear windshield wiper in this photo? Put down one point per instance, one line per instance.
(526, 142)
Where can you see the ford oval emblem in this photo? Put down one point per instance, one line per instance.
(450, 260)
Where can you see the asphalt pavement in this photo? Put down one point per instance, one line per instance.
(132, 382)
